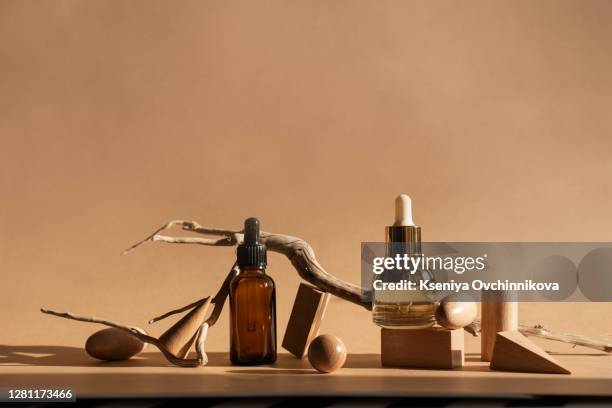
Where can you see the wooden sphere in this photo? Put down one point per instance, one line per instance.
(327, 353)
(113, 344)
(455, 313)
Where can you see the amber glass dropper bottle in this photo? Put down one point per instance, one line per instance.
(252, 303)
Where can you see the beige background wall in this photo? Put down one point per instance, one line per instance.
(116, 116)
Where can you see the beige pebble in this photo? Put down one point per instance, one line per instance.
(113, 344)
(327, 353)
(454, 313)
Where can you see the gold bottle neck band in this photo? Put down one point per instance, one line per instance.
(403, 239)
(403, 233)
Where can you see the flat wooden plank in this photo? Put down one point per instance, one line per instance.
(303, 326)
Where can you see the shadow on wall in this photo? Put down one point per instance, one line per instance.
(65, 356)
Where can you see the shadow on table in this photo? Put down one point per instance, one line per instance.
(66, 356)
(275, 371)
(472, 357)
(367, 360)
(373, 361)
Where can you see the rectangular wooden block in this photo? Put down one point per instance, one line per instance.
(305, 320)
(427, 348)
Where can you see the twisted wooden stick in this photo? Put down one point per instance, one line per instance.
(299, 252)
(202, 359)
(575, 339)
(302, 257)
(181, 362)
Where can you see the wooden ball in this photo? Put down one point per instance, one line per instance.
(113, 344)
(455, 313)
(327, 353)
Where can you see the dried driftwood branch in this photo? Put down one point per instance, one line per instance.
(218, 301)
(186, 362)
(299, 252)
(575, 339)
(302, 257)
(202, 359)
(175, 311)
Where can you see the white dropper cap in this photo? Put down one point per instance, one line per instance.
(403, 211)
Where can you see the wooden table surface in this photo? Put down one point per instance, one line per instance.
(149, 376)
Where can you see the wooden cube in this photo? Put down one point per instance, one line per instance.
(426, 348)
(306, 315)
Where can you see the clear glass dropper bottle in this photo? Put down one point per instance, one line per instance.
(404, 309)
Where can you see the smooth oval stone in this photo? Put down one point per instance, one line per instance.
(327, 353)
(455, 313)
(113, 344)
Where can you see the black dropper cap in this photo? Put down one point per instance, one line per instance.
(251, 253)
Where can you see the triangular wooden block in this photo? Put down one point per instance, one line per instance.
(515, 352)
(179, 338)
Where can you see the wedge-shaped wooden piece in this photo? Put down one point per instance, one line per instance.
(305, 320)
(427, 348)
(515, 352)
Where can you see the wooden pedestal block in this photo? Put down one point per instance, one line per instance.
(426, 348)
(306, 315)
